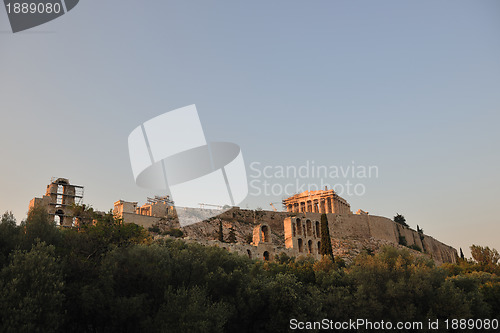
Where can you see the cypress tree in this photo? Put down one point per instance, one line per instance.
(462, 254)
(221, 234)
(326, 242)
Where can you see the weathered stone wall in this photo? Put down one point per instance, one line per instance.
(375, 231)
(350, 233)
(142, 220)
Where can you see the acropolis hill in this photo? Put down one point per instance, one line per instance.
(264, 234)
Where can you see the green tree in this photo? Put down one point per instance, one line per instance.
(84, 214)
(220, 234)
(9, 236)
(191, 310)
(400, 219)
(326, 242)
(462, 254)
(484, 255)
(109, 230)
(39, 226)
(31, 291)
(174, 232)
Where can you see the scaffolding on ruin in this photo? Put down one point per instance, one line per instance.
(160, 199)
(61, 193)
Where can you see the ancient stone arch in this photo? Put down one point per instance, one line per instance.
(308, 228)
(59, 217)
(266, 234)
(262, 234)
(301, 245)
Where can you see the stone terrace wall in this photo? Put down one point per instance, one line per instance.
(369, 231)
(350, 233)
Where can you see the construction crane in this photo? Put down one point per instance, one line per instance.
(272, 205)
(160, 199)
(202, 205)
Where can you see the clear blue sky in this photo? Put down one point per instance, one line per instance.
(410, 87)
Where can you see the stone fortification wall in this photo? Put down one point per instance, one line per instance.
(350, 233)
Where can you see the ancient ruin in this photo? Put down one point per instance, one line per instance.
(303, 235)
(154, 207)
(326, 201)
(262, 234)
(59, 200)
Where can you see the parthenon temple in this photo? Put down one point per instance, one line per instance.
(326, 201)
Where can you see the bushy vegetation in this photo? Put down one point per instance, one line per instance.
(111, 277)
(400, 219)
(174, 232)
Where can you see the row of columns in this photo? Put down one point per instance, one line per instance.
(323, 205)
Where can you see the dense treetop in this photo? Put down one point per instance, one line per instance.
(112, 277)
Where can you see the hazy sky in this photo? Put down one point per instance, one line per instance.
(412, 88)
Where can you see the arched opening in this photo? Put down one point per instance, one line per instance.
(299, 227)
(249, 254)
(299, 241)
(309, 228)
(62, 181)
(266, 256)
(59, 217)
(319, 247)
(309, 246)
(265, 234)
(318, 232)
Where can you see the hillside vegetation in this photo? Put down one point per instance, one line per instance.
(112, 277)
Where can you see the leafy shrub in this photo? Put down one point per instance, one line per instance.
(174, 232)
(155, 228)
